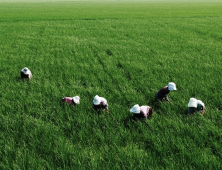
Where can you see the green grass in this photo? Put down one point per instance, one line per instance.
(125, 52)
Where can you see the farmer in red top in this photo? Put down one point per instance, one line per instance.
(162, 94)
(141, 112)
(71, 100)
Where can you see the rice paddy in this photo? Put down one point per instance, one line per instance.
(124, 51)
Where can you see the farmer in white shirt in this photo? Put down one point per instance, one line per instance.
(141, 112)
(26, 73)
(195, 105)
(100, 103)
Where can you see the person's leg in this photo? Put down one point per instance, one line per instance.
(157, 98)
(150, 112)
(62, 100)
(106, 108)
(191, 110)
(97, 108)
(23, 75)
(30, 76)
(73, 103)
(201, 109)
(166, 98)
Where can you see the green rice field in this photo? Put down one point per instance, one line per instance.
(124, 51)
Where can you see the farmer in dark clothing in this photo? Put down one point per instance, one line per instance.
(26, 73)
(162, 94)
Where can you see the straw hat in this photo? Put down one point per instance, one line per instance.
(135, 109)
(26, 71)
(76, 99)
(96, 100)
(200, 102)
(192, 103)
(172, 86)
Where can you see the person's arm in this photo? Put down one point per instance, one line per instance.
(203, 111)
(62, 100)
(104, 105)
(23, 75)
(201, 108)
(162, 93)
(30, 75)
(106, 108)
(73, 103)
(95, 107)
(190, 110)
(150, 112)
(166, 98)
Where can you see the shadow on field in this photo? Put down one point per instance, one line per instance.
(18, 79)
(100, 112)
(132, 121)
(186, 114)
(156, 106)
(128, 122)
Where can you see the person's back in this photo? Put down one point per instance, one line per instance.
(142, 112)
(100, 104)
(71, 100)
(162, 93)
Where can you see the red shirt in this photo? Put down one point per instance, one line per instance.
(68, 99)
(145, 111)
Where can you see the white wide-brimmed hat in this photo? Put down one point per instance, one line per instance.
(76, 99)
(26, 71)
(172, 86)
(192, 103)
(135, 109)
(96, 100)
(200, 102)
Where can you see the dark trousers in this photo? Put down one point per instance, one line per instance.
(24, 75)
(157, 98)
(192, 109)
(198, 109)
